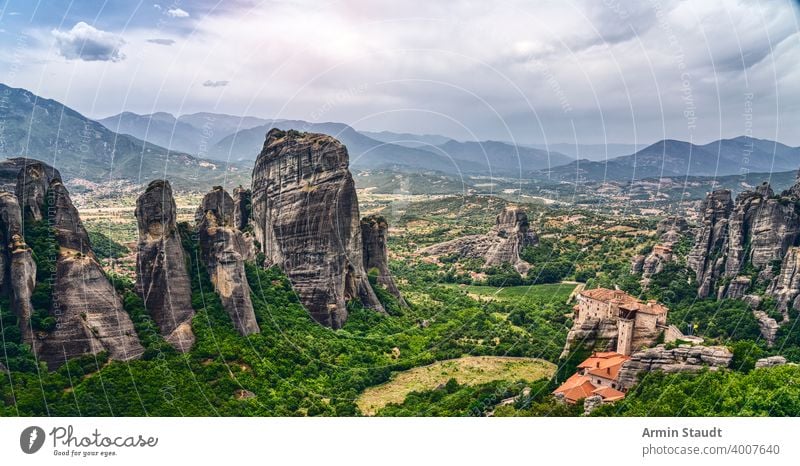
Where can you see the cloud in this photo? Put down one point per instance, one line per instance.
(177, 13)
(210, 83)
(87, 43)
(161, 41)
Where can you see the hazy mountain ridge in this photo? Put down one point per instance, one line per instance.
(80, 147)
(679, 158)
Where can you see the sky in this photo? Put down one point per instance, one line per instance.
(589, 71)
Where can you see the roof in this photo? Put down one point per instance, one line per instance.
(609, 394)
(606, 365)
(625, 301)
(576, 387)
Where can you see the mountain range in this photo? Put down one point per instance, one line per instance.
(669, 158)
(82, 148)
(202, 149)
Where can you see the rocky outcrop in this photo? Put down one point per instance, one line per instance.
(705, 258)
(768, 225)
(771, 361)
(374, 232)
(306, 219)
(596, 334)
(89, 314)
(33, 181)
(758, 230)
(223, 249)
(785, 287)
(162, 279)
(737, 288)
(670, 230)
(242, 203)
(767, 326)
(680, 359)
(673, 223)
(502, 245)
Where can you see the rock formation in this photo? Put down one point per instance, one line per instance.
(162, 279)
(771, 361)
(785, 287)
(374, 232)
(223, 249)
(670, 230)
(305, 217)
(242, 203)
(33, 182)
(502, 245)
(680, 359)
(89, 314)
(758, 231)
(705, 258)
(736, 289)
(767, 326)
(17, 267)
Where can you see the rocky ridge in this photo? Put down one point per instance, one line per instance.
(502, 245)
(681, 359)
(758, 230)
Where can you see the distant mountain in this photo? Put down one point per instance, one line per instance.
(588, 151)
(679, 158)
(79, 147)
(501, 159)
(365, 152)
(188, 133)
(407, 139)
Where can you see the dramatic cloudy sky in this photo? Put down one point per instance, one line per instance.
(533, 71)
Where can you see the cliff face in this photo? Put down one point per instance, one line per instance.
(242, 202)
(374, 232)
(33, 181)
(89, 314)
(17, 267)
(706, 258)
(224, 250)
(785, 287)
(759, 230)
(306, 219)
(770, 225)
(502, 245)
(162, 279)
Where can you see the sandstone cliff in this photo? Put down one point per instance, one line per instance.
(223, 249)
(305, 217)
(374, 231)
(680, 359)
(502, 245)
(89, 314)
(162, 279)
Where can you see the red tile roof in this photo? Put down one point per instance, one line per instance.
(605, 365)
(609, 394)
